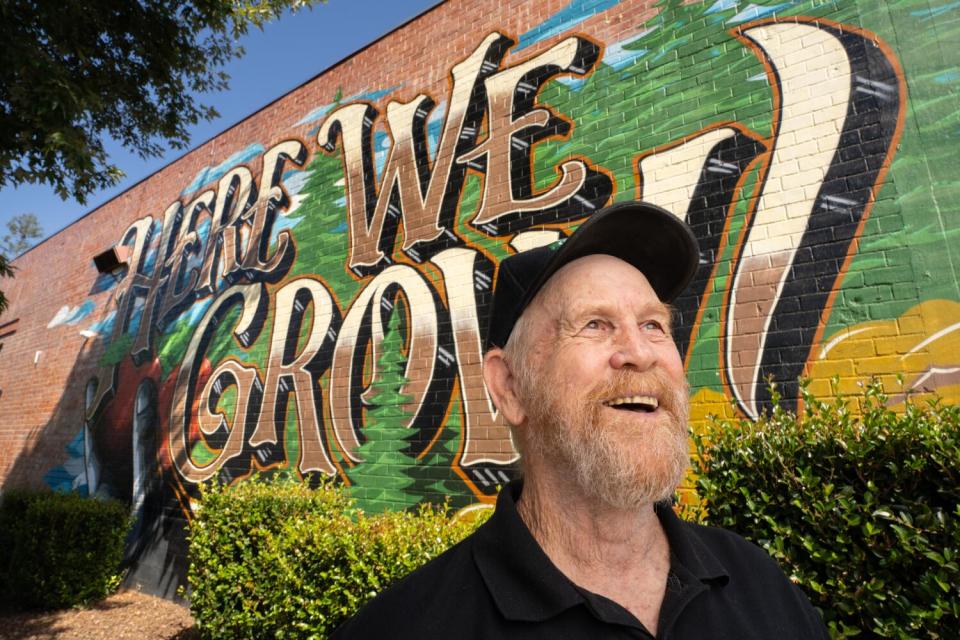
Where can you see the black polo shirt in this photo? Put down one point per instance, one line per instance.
(499, 583)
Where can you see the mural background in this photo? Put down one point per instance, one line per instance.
(305, 293)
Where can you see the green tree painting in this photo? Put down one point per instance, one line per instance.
(381, 481)
(434, 477)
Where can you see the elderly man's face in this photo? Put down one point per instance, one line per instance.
(603, 386)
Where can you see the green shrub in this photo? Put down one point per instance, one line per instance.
(275, 559)
(59, 549)
(862, 510)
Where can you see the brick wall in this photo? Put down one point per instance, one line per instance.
(303, 292)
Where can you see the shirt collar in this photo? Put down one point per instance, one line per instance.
(527, 586)
(687, 549)
(522, 580)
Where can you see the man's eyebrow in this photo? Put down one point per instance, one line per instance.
(672, 314)
(589, 307)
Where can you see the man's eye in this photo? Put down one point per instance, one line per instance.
(653, 325)
(594, 325)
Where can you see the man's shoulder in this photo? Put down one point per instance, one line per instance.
(423, 602)
(728, 545)
(737, 554)
(755, 578)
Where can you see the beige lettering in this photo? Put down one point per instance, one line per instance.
(784, 211)
(296, 372)
(251, 298)
(422, 349)
(209, 421)
(271, 197)
(670, 177)
(424, 193)
(234, 195)
(187, 244)
(504, 127)
(485, 433)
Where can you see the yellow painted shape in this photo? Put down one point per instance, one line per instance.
(922, 346)
(705, 403)
(471, 512)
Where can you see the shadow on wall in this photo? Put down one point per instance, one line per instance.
(114, 454)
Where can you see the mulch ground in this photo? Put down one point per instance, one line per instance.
(127, 615)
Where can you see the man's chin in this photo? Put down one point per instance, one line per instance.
(643, 469)
(634, 477)
(634, 498)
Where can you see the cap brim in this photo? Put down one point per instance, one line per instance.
(650, 238)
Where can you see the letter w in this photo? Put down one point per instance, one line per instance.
(424, 197)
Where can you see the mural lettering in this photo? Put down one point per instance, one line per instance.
(819, 201)
(229, 373)
(286, 293)
(238, 211)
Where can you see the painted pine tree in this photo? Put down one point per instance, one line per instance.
(435, 478)
(384, 479)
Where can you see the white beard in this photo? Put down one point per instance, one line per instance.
(610, 459)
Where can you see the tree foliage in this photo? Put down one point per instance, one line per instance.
(390, 477)
(23, 229)
(6, 271)
(75, 71)
(434, 475)
(382, 481)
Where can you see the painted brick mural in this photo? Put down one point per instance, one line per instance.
(306, 292)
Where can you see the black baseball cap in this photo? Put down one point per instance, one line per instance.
(659, 244)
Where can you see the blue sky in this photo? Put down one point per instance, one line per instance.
(281, 57)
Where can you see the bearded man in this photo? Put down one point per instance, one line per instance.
(582, 365)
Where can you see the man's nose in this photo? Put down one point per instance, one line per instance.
(632, 350)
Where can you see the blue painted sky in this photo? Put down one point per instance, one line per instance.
(211, 174)
(570, 16)
(286, 54)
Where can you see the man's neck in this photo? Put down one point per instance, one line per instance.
(622, 554)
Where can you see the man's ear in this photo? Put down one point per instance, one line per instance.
(501, 384)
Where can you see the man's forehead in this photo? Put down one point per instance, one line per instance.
(593, 270)
(597, 280)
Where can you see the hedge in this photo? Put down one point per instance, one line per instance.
(861, 509)
(59, 549)
(277, 559)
